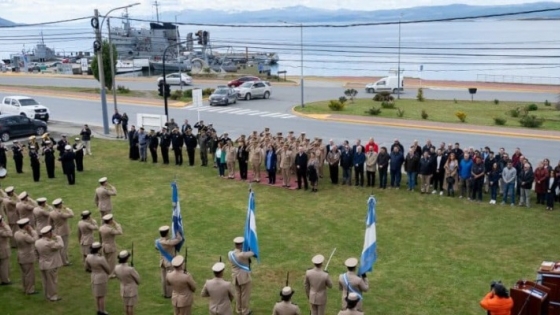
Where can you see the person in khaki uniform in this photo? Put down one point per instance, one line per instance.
(183, 286)
(256, 157)
(103, 195)
(59, 221)
(286, 162)
(99, 268)
(316, 283)
(25, 238)
(231, 157)
(219, 291)
(9, 206)
(42, 214)
(166, 247)
(351, 301)
(86, 226)
(5, 252)
(286, 307)
(108, 231)
(357, 284)
(241, 275)
(48, 247)
(25, 208)
(130, 279)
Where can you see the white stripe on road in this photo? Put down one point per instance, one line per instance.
(237, 110)
(243, 112)
(215, 109)
(286, 116)
(229, 110)
(271, 115)
(257, 113)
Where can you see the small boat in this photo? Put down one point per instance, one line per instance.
(126, 66)
(181, 64)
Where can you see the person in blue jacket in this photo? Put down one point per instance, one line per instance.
(359, 160)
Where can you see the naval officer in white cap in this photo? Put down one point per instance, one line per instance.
(353, 283)
(166, 247)
(103, 195)
(130, 279)
(351, 301)
(25, 238)
(219, 291)
(109, 231)
(316, 283)
(49, 247)
(68, 164)
(241, 275)
(183, 286)
(99, 268)
(286, 307)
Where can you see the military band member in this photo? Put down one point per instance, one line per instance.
(59, 221)
(286, 162)
(183, 286)
(108, 231)
(165, 143)
(17, 151)
(48, 247)
(316, 283)
(67, 158)
(241, 275)
(5, 252)
(286, 307)
(166, 247)
(78, 148)
(3, 157)
(351, 301)
(25, 208)
(35, 163)
(32, 142)
(42, 214)
(9, 205)
(130, 279)
(153, 142)
(103, 195)
(86, 226)
(97, 265)
(48, 152)
(350, 282)
(47, 137)
(256, 156)
(190, 143)
(219, 291)
(61, 145)
(177, 145)
(25, 239)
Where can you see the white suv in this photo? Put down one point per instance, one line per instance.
(26, 106)
(253, 89)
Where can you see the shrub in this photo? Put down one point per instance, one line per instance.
(187, 93)
(424, 114)
(400, 112)
(175, 95)
(208, 91)
(531, 107)
(515, 112)
(462, 116)
(388, 105)
(336, 105)
(420, 95)
(374, 111)
(342, 99)
(547, 103)
(496, 101)
(351, 93)
(531, 121)
(500, 121)
(383, 97)
(123, 89)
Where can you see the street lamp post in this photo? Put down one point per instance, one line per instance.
(113, 72)
(399, 62)
(100, 65)
(301, 60)
(178, 52)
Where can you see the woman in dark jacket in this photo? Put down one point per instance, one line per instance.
(134, 151)
(243, 158)
(124, 125)
(382, 167)
(312, 166)
(541, 182)
(494, 179)
(270, 163)
(551, 185)
(411, 165)
(477, 175)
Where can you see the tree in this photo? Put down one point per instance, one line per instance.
(351, 93)
(105, 48)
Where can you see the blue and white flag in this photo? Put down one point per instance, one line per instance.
(177, 220)
(369, 253)
(251, 242)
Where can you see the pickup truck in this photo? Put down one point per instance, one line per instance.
(25, 106)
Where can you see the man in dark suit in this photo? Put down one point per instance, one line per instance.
(177, 144)
(68, 165)
(301, 167)
(190, 143)
(185, 127)
(438, 163)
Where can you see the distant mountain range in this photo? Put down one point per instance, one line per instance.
(303, 14)
(4, 22)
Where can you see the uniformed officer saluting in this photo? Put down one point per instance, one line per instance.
(25, 239)
(351, 301)
(219, 291)
(48, 247)
(241, 275)
(286, 307)
(130, 279)
(183, 286)
(316, 283)
(99, 268)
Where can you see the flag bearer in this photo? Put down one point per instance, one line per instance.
(241, 275)
(350, 281)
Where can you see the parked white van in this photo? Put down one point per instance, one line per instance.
(25, 106)
(387, 84)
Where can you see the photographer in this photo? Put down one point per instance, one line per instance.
(497, 301)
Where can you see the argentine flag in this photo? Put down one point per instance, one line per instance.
(251, 242)
(177, 220)
(369, 253)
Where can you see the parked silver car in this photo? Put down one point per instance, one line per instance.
(223, 95)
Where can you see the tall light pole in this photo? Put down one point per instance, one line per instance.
(301, 59)
(98, 30)
(399, 62)
(178, 51)
(113, 72)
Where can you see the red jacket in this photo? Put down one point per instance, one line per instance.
(372, 145)
(497, 305)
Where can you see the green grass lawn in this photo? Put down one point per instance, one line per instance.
(436, 255)
(478, 112)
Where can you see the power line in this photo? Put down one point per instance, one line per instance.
(46, 23)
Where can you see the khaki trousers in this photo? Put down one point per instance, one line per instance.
(166, 289)
(231, 168)
(318, 309)
(87, 145)
(5, 270)
(28, 278)
(242, 297)
(256, 171)
(182, 310)
(64, 250)
(85, 249)
(50, 280)
(286, 174)
(118, 130)
(425, 183)
(111, 260)
(14, 228)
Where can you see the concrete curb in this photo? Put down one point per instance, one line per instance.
(409, 124)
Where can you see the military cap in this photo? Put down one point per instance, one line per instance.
(351, 262)
(164, 228)
(57, 201)
(124, 254)
(291, 132)
(218, 267)
(286, 291)
(96, 245)
(46, 229)
(177, 261)
(318, 259)
(23, 221)
(42, 199)
(266, 129)
(103, 179)
(9, 189)
(23, 195)
(67, 148)
(239, 240)
(278, 133)
(152, 130)
(86, 213)
(77, 139)
(107, 217)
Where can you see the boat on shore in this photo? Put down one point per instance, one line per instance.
(126, 66)
(181, 64)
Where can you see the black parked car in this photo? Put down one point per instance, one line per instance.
(13, 126)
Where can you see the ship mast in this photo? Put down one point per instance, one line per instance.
(156, 4)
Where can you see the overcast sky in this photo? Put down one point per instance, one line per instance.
(33, 11)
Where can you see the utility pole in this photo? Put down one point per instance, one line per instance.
(178, 53)
(399, 63)
(113, 72)
(101, 75)
(301, 73)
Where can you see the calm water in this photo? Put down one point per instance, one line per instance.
(449, 51)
